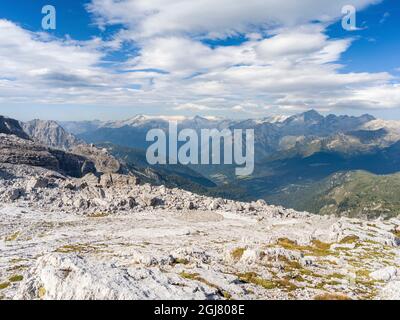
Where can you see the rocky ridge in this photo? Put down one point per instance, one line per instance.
(16, 151)
(108, 193)
(11, 126)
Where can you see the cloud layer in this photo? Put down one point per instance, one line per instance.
(284, 61)
(210, 18)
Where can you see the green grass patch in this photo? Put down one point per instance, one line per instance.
(196, 277)
(253, 278)
(350, 239)
(12, 237)
(98, 215)
(4, 285)
(331, 296)
(237, 253)
(180, 261)
(16, 278)
(317, 248)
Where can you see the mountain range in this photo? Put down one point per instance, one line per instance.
(298, 158)
(291, 153)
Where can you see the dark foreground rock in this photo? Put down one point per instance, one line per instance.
(16, 150)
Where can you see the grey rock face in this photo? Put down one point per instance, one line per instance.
(104, 162)
(69, 277)
(37, 183)
(14, 150)
(50, 133)
(14, 194)
(11, 126)
(108, 180)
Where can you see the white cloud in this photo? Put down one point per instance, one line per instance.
(191, 107)
(385, 16)
(147, 18)
(36, 68)
(379, 97)
(284, 63)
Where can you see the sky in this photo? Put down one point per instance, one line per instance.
(112, 59)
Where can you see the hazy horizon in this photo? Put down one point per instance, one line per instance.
(72, 113)
(108, 59)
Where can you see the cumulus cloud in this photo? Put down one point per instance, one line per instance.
(147, 18)
(37, 68)
(283, 61)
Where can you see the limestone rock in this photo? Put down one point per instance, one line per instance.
(391, 291)
(190, 205)
(70, 277)
(385, 274)
(90, 179)
(18, 151)
(104, 162)
(215, 204)
(81, 203)
(50, 133)
(148, 200)
(14, 194)
(108, 180)
(37, 183)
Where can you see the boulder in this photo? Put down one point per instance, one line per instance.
(90, 179)
(117, 180)
(150, 201)
(215, 204)
(385, 274)
(131, 203)
(190, 205)
(81, 203)
(15, 194)
(37, 183)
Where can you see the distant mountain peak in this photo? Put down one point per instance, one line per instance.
(49, 133)
(368, 117)
(311, 116)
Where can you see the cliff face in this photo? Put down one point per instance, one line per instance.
(45, 143)
(11, 126)
(50, 133)
(103, 161)
(15, 150)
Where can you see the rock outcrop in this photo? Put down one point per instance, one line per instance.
(16, 150)
(103, 161)
(70, 277)
(11, 126)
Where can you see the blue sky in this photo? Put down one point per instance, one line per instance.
(110, 59)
